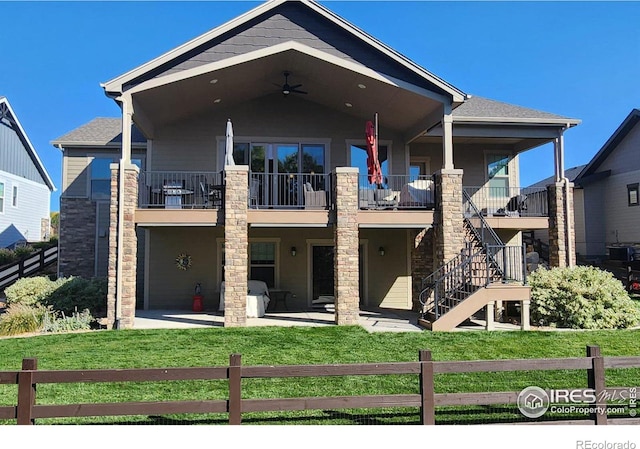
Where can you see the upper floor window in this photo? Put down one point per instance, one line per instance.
(498, 174)
(14, 199)
(1, 197)
(632, 194)
(101, 176)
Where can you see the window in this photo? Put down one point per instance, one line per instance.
(498, 175)
(14, 200)
(262, 266)
(1, 197)
(101, 178)
(632, 194)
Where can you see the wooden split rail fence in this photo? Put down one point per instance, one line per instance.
(27, 410)
(30, 265)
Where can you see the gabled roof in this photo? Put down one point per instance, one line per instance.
(116, 86)
(7, 112)
(479, 109)
(571, 174)
(100, 132)
(610, 145)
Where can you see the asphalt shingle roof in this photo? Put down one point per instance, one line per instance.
(480, 107)
(100, 131)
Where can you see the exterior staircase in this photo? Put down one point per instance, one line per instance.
(484, 272)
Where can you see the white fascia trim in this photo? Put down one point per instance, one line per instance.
(394, 226)
(174, 224)
(281, 48)
(289, 225)
(115, 85)
(30, 146)
(517, 120)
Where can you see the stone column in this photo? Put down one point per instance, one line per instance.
(236, 242)
(448, 216)
(77, 237)
(346, 272)
(561, 243)
(121, 295)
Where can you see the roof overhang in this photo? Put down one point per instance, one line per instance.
(329, 80)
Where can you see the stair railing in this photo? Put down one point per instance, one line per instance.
(487, 234)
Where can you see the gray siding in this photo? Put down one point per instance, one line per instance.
(77, 171)
(192, 144)
(626, 156)
(14, 157)
(621, 219)
(293, 22)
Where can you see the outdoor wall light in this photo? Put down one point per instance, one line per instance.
(293, 251)
(381, 250)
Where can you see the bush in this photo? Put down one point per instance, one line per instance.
(59, 322)
(32, 290)
(22, 252)
(20, 319)
(580, 298)
(76, 293)
(7, 256)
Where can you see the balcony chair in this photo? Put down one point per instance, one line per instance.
(314, 199)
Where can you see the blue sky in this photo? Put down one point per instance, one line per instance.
(578, 59)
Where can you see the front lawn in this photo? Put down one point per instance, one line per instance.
(305, 345)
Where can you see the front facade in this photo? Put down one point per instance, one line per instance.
(296, 209)
(25, 185)
(609, 186)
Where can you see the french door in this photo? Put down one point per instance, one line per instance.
(275, 167)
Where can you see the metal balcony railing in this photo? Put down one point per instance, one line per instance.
(508, 201)
(181, 189)
(397, 192)
(290, 191)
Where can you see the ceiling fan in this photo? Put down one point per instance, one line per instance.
(286, 89)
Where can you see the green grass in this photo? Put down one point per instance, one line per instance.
(299, 345)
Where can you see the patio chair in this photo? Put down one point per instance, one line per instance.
(314, 199)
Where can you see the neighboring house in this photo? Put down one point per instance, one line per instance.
(611, 196)
(25, 185)
(294, 211)
(542, 235)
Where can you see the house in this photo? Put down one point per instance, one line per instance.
(609, 189)
(25, 185)
(438, 234)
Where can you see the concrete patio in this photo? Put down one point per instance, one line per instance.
(381, 320)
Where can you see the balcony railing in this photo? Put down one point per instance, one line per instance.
(290, 191)
(181, 190)
(508, 201)
(397, 192)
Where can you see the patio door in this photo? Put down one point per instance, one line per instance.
(322, 271)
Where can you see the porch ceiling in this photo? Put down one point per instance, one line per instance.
(328, 83)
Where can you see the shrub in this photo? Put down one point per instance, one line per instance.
(580, 298)
(76, 293)
(31, 291)
(20, 319)
(59, 322)
(22, 251)
(6, 256)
